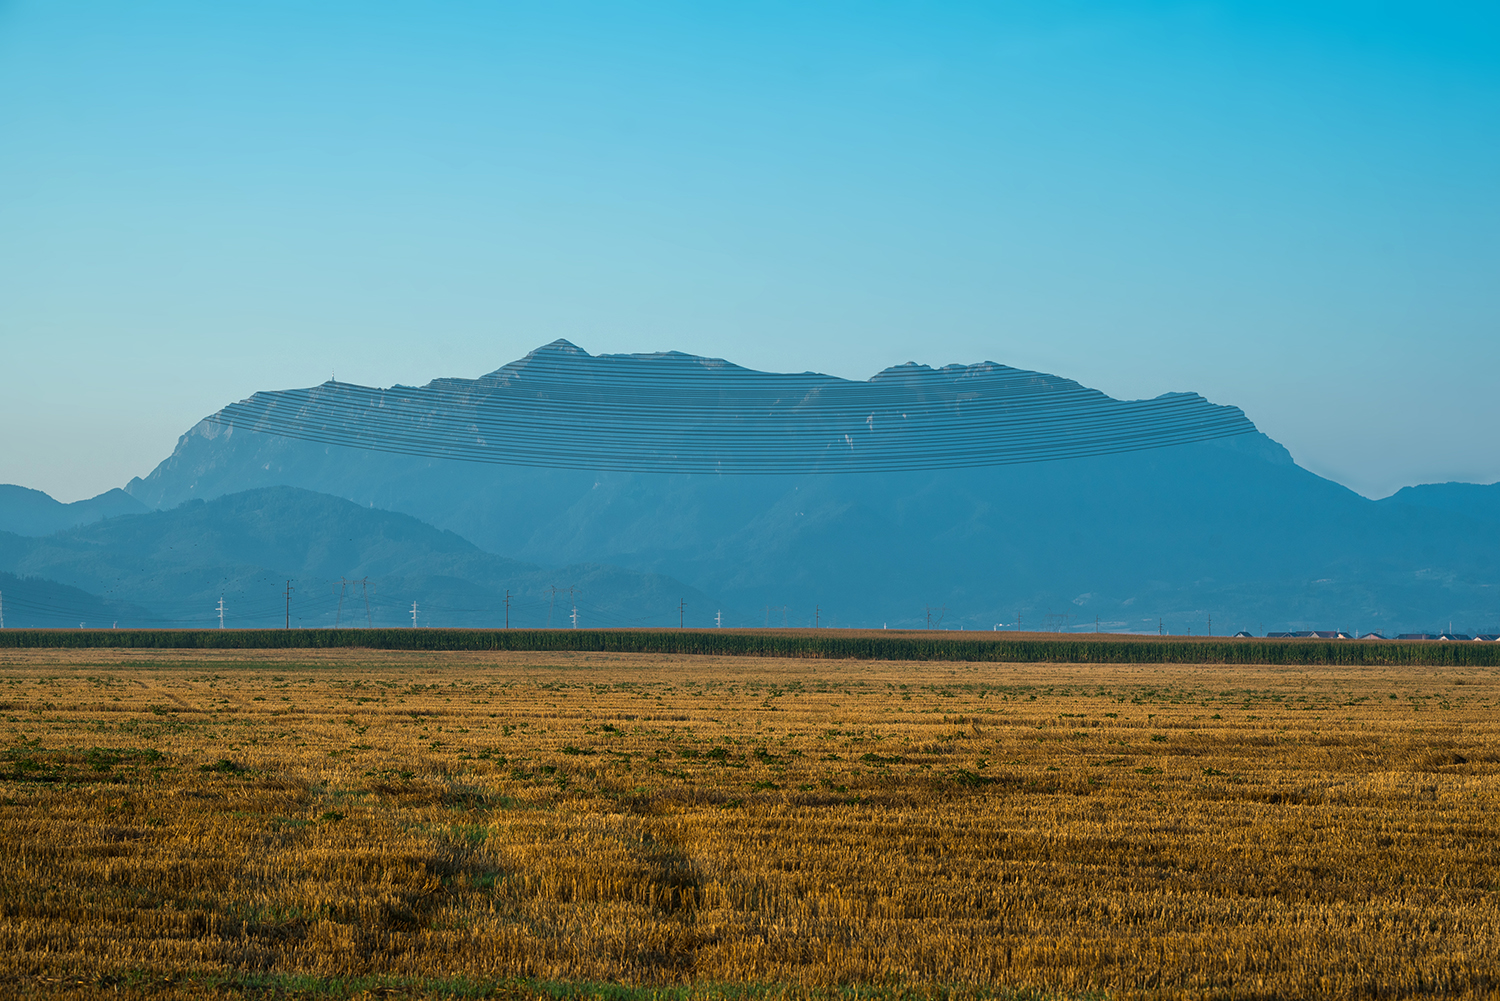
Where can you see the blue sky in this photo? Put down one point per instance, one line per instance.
(1288, 207)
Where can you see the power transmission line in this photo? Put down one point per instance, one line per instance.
(682, 415)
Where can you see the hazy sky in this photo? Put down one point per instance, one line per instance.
(1290, 207)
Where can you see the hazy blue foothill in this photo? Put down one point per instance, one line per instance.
(175, 565)
(1231, 530)
(39, 603)
(1480, 502)
(31, 512)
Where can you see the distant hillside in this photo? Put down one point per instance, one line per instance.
(38, 603)
(246, 546)
(1230, 530)
(1473, 500)
(24, 511)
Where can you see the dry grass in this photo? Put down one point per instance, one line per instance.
(224, 823)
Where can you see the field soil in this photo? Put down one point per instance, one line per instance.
(347, 822)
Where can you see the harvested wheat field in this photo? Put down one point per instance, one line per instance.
(330, 824)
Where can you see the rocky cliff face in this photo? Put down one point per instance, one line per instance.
(1227, 527)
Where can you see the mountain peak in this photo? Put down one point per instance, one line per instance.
(566, 357)
(560, 346)
(560, 351)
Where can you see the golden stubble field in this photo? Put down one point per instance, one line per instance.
(196, 824)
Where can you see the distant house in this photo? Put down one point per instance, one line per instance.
(1243, 635)
(1456, 637)
(1417, 636)
(1372, 636)
(1488, 637)
(1311, 634)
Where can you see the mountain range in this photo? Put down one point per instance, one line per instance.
(1220, 534)
(346, 564)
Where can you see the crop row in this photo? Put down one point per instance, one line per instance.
(809, 644)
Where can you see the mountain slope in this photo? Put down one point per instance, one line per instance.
(24, 511)
(1230, 529)
(244, 548)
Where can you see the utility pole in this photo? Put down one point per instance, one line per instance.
(718, 619)
(507, 608)
(555, 590)
(768, 616)
(369, 619)
(575, 614)
(1096, 625)
(289, 590)
(817, 615)
(221, 611)
(2, 609)
(338, 619)
(414, 615)
(1158, 627)
(681, 613)
(1210, 625)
